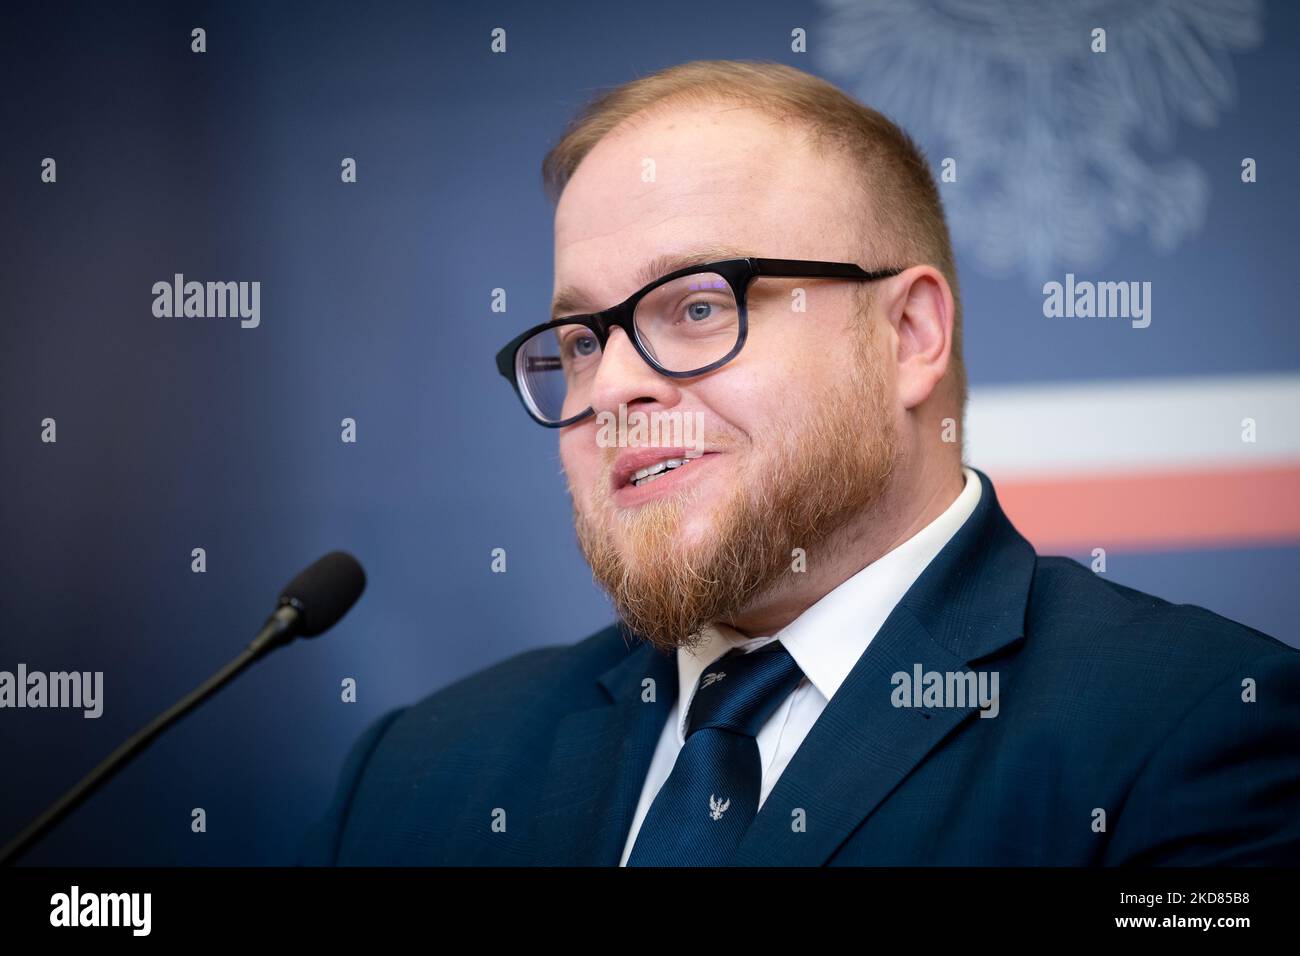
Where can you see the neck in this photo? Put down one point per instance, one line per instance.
(911, 502)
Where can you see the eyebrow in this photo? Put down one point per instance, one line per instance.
(572, 301)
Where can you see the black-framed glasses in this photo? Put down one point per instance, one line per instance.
(683, 324)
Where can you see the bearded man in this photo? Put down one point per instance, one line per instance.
(833, 647)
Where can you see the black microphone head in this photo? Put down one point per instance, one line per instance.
(324, 592)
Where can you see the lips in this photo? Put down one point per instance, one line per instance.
(659, 483)
(653, 473)
(645, 465)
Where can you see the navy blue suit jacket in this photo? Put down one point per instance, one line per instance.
(1122, 737)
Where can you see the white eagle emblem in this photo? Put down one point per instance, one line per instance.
(712, 679)
(1097, 129)
(718, 808)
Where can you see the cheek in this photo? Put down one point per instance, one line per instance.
(580, 459)
(774, 378)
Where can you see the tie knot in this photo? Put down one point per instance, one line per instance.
(739, 691)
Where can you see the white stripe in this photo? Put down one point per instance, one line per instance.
(1133, 425)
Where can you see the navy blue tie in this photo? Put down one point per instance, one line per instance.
(710, 798)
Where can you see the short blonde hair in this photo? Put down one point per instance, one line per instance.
(903, 213)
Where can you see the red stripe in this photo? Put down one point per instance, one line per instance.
(1184, 508)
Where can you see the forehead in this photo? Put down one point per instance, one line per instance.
(712, 176)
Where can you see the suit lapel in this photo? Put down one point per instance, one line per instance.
(968, 604)
(599, 762)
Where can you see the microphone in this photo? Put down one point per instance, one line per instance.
(312, 603)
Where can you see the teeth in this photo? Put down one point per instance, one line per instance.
(646, 475)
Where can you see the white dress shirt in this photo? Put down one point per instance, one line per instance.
(825, 641)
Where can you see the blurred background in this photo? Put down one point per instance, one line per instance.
(176, 434)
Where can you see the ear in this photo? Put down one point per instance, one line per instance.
(920, 310)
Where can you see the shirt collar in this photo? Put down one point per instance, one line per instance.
(827, 639)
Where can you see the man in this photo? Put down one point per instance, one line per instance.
(833, 647)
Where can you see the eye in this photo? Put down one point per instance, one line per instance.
(579, 344)
(699, 311)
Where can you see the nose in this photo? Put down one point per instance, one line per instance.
(623, 377)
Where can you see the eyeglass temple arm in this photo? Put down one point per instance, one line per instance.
(795, 268)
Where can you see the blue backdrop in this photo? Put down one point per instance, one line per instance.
(175, 434)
